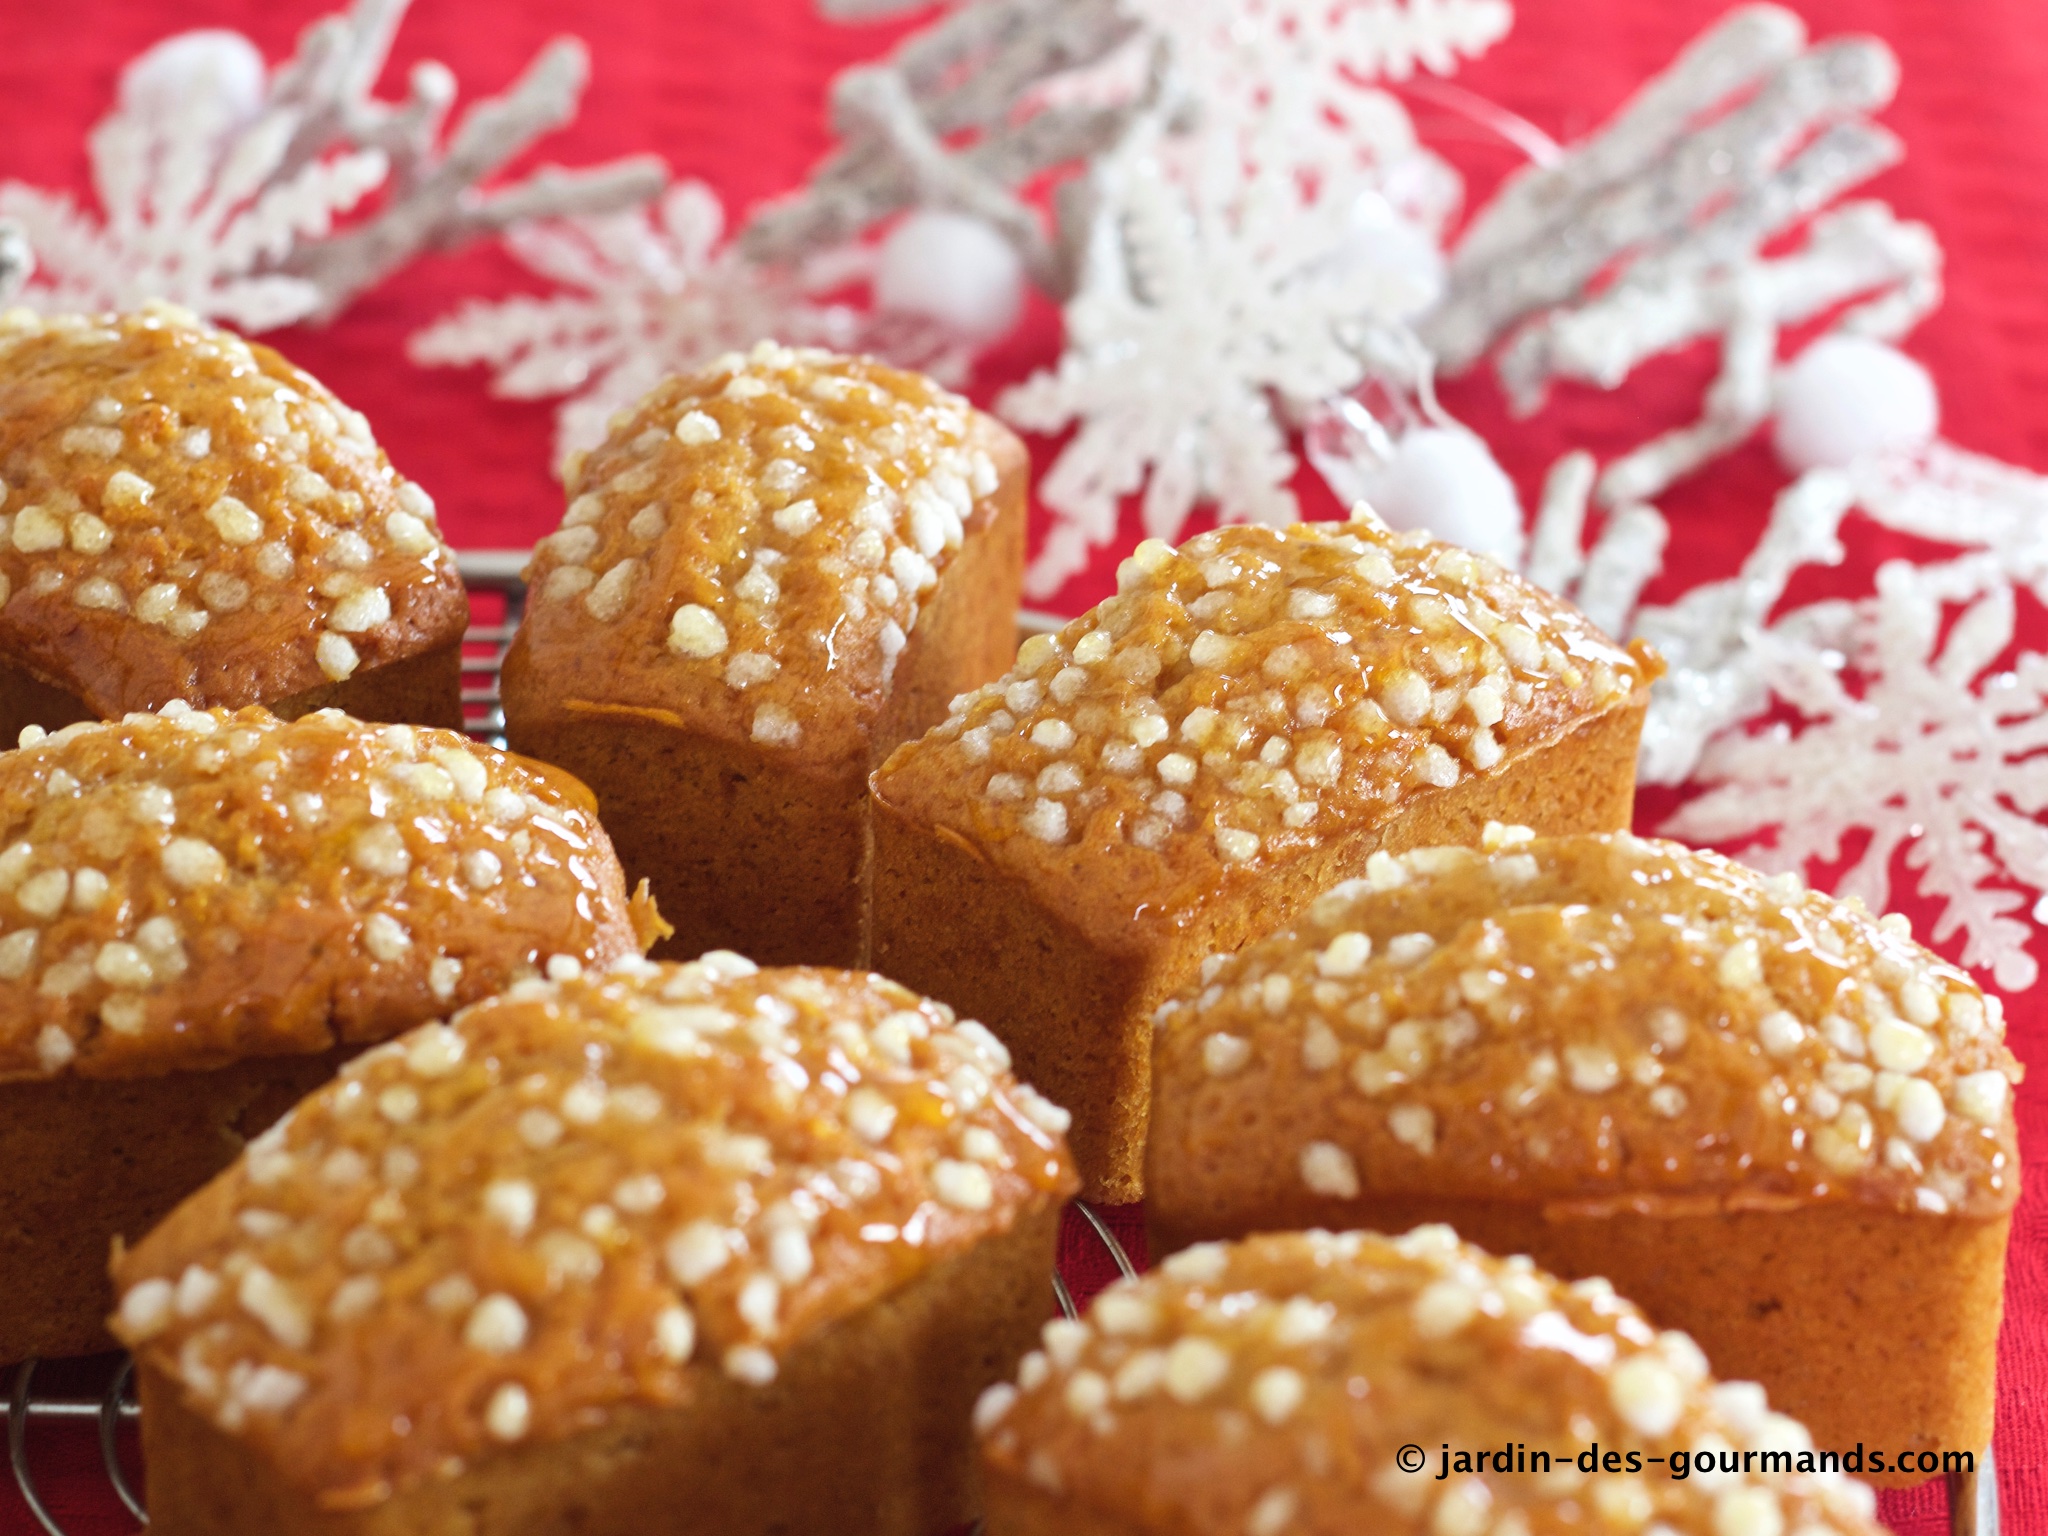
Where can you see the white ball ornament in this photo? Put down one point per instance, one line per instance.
(1444, 481)
(1849, 398)
(212, 71)
(951, 268)
(1381, 240)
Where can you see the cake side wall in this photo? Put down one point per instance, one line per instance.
(91, 1159)
(742, 853)
(1074, 1000)
(951, 925)
(1867, 1325)
(865, 1432)
(423, 689)
(1016, 1508)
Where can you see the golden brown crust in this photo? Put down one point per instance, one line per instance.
(190, 888)
(750, 548)
(1189, 764)
(864, 1432)
(1266, 1387)
(188, 516)
(1585, 1024)
(1243, 701)
(575, 1196)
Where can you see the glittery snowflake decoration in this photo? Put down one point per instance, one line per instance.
(1196, 316)
(1873, 728)
(1606, 579)
(1922, 746)
(228, 188)
(1650, 235)
(1255, 248)
(1299, 81)
(639, 295)
(960, 116)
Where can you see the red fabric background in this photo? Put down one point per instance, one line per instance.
(733, 93)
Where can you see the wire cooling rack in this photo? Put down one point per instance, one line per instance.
(497, 599)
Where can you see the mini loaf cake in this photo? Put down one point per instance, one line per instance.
(184, 515)
(1768, 1118)
(698, 1238)
(1186, 765)
(771, 573)
(1346, 1384)
(203, 913)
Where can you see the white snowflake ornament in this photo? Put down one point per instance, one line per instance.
(1199, 311)
(1297, 83)
(1255, 247)
(1924, 747)
(640, 295)
(227, 188)
(200, 201)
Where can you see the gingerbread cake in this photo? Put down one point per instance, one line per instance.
(1767, 1117)
(1189, 763)
(185, 515)
(202, 913)
(694, 1243)
(1320, 1383)
(771, 573)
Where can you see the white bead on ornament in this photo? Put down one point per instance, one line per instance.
(1846, 399)
(951, 268)
(212, 71)
(1444, 481)
(1383, 240)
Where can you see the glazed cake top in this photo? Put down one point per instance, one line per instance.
(574, 1196)
(1247, 697)
(188, 888)
(1266, 1387)
(1597, 1022)
(750, 546)
(184, 514)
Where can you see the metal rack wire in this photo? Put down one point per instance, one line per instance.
(498, 598)
(497, 589)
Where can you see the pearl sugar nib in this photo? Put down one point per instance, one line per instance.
(222, 182)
